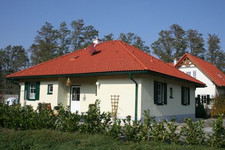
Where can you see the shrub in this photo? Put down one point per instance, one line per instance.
(218, 106)
(192, 132)
(217, 139)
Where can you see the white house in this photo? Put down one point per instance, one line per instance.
(205, 72)
(126, 80)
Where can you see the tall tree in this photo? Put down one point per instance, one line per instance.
(163, 47)
(195, 43)
(1, 70)
(82, 35)
(108, 37)
(179, 40)
(64, 39)
(45, 45)
(14, 58)
(134, 40)
(214, 54)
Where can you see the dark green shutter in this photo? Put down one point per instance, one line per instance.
(37, 91)
(208, 99)
(182, 95)
(26, 91)
(188, 96)
(155, 92)
(165, 93)
(198, 99)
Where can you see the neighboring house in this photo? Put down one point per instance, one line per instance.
(205, 72)
(126, 80)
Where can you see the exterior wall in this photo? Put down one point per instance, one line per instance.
(125, 88)
(209, 90)
(220, 91)
(44, 97)
(63, 92)
(173, 106)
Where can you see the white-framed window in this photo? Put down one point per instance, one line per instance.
(189, 73)
(32, 90)
(194, 74)
(50, 88)
(160, 93)
(185, 95)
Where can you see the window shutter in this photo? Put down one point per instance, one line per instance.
(208, 99)
(188, 96)
(165, 93)
(155, 92)
(26, 91)
(182, 95)
(37, 91)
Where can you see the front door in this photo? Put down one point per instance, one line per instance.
(75, 99)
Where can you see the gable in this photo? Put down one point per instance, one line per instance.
(209, 70)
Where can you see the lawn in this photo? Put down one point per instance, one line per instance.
(55, 140)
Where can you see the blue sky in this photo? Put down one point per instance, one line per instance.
(20, 19)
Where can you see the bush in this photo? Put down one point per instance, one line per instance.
(217, 139)
(218, 106)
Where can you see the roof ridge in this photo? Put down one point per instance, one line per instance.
(131, 54)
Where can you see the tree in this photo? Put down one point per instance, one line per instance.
(134, 40)
(1, 70)
(108, 37)
(45, 45)
(163, 47)
(195, 43)
(82, 35)
(179, 40)
(214, 54)
(64, 39)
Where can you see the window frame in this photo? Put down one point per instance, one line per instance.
(50, 92)
(185, 96)
(160, 89)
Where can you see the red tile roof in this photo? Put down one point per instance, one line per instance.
(111, 56)
(213, 73)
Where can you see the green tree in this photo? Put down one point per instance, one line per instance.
(163, 47)
(81, 35)
(195, 43)
(214, 54)
(108, 37)
(45, 45)
(179, 41)
(64, 39)
(134, 40)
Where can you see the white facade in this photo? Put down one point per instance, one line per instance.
(210, 88)
(117, 85)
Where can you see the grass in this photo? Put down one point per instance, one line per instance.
(56, 140)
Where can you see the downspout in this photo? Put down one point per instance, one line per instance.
(136, 96)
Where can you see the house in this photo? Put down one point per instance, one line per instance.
(205, 72)
(126, 80)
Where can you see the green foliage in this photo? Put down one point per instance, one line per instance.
(131, 129)
(95, 122)
(217, 139)
(134, 40)
(192, 132)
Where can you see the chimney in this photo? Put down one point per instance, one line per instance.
(174, 61)
(95, 41)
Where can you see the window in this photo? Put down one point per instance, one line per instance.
(171, 92)
(31, 91)
(50, 88)
(194, 74)
(75, 93)
(185, 95)
(189, 73)
(160, 93)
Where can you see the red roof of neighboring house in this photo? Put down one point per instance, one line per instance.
(213, 73)
(111, 56)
